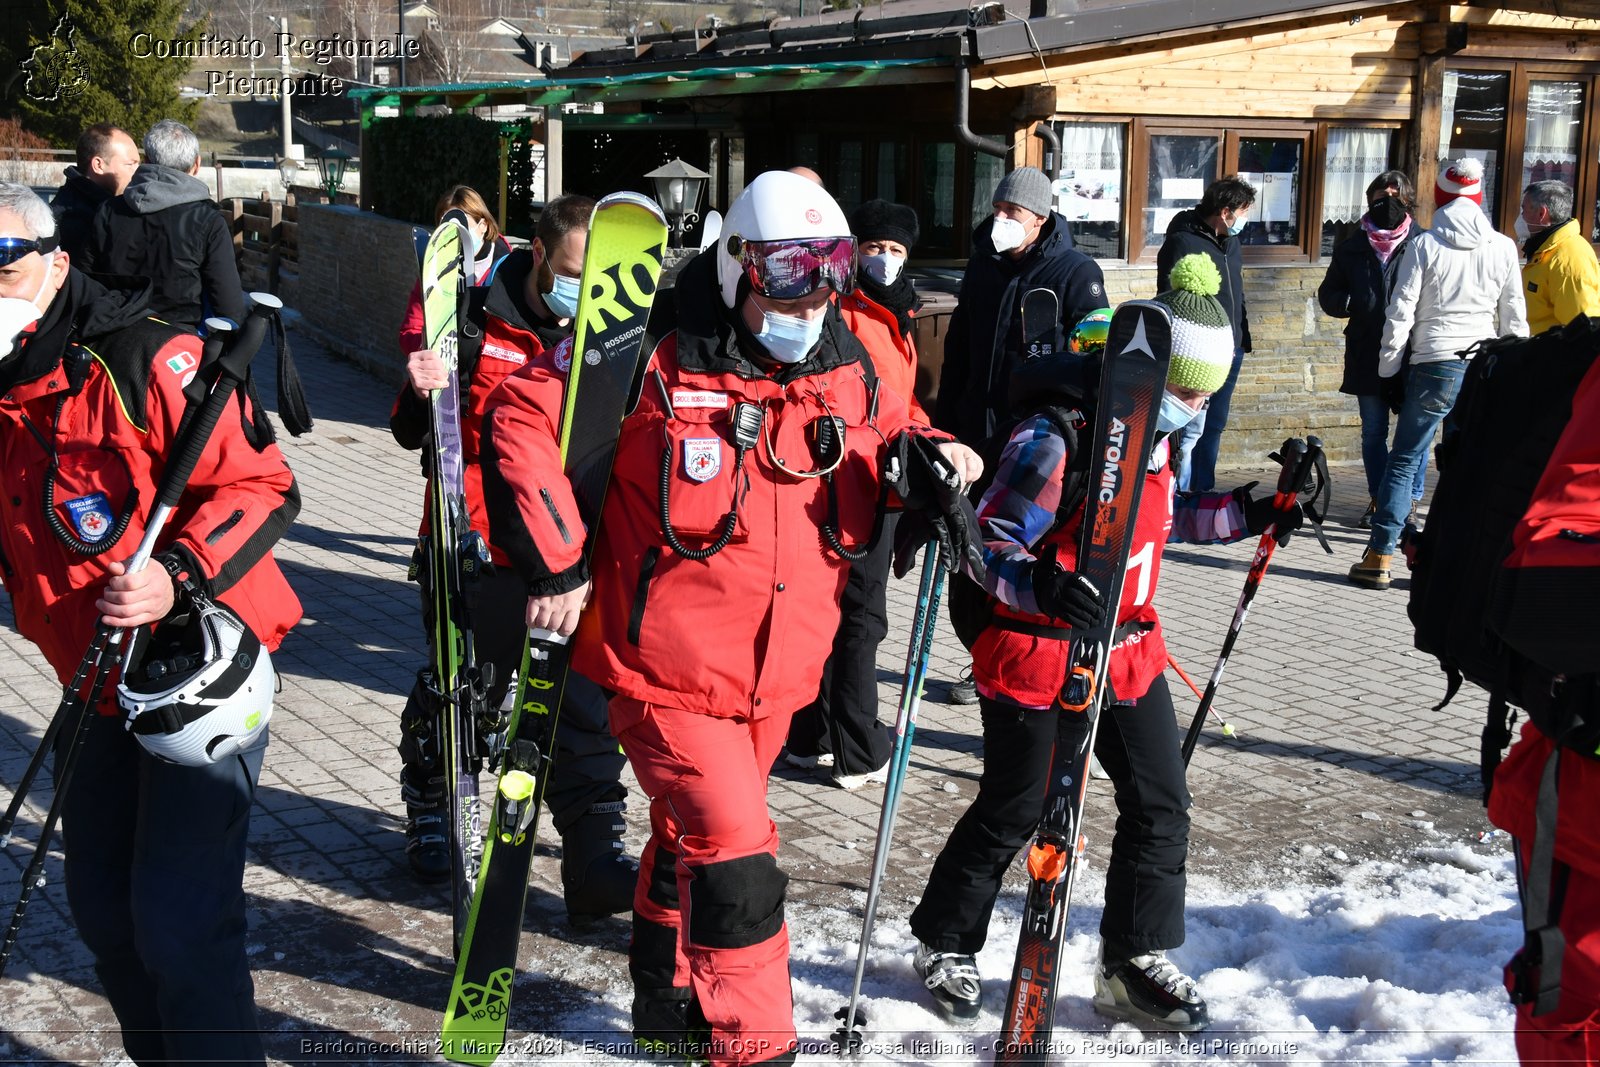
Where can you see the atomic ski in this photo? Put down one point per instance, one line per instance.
(1041, 309)
(453, 555)
(1131, 382)
(621, 265)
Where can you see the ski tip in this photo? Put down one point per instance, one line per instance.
(711, 230)
(638, 200)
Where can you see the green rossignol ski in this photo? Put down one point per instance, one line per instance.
(621, 266)
(453, 555)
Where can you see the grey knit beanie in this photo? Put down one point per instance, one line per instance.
(1027, 187)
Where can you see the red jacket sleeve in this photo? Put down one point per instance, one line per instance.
(533, 516)
(411, 326)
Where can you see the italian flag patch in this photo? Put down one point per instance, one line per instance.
(180, 363)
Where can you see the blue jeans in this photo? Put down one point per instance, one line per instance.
(1375, 447)
(155, 870)
(1199, 442)
(1431, 390)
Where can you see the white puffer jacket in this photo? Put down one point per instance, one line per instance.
(1461, 283)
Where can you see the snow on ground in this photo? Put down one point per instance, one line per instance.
(1393, 962)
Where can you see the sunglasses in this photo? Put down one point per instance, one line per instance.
(14, 248)
(788, 270)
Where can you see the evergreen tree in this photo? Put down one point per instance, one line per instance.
(98, 65)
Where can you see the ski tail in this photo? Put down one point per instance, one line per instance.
(1132, 379)
(1041, 318)
(621, 266)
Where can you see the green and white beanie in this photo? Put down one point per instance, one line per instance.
(1202, 336)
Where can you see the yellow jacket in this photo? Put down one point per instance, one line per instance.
(1561, 280)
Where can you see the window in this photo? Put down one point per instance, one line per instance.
(1356, 155)
(1555, 132)
(1089, 189)
(1170, 167)
(1473, 123)
(987, 171)
(936, 193)
(1181, 166)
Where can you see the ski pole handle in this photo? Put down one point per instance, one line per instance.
(1291, 476)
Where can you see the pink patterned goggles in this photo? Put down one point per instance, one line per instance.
(789, 270)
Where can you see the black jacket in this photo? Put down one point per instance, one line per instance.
(1188, 232)
(984, 339)
(1357, 287)
(74, 206)
(166, 227)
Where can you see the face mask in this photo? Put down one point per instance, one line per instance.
(788, 338)
(1175, 414)
(1006, 234)
(1521, 228)
(1387, 212)
(17, 314)
(883, 268)
(562, 299)
(1236, 227)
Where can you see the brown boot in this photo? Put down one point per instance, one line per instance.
(1373, 570)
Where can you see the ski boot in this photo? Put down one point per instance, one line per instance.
(427, 809)
(670, 1024)
(1150, 992)
(597, 879)
(952, 978)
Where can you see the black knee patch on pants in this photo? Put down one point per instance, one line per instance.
(652, 959)
(736, 903)
(663, 886)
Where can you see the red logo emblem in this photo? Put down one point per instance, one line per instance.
(813, 216)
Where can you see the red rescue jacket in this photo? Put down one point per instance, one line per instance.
(111, 438)
(746, 631)
(894, 355)
(508, 335)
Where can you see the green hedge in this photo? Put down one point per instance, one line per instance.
(411, 161)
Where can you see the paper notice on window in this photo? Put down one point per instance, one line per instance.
(1274, 197)
(1090, 195)
(1161, 218)
(1186, 189)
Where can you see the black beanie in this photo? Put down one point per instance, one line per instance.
(884, 220)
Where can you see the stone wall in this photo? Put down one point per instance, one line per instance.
(357, 271)
(1289, 386)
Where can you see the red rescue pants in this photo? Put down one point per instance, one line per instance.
(708, 911)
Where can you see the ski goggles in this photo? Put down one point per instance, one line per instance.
(789, 270)
(14, 248)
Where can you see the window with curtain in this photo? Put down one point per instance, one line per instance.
(1555, 131)
(1473, 123)
(987, 171)
(936, 193)
(1356, 155)
(1089, 188)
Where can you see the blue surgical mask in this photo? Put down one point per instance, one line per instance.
(1236, 227)
(1175, 414)
(562, 299)
(788, 338)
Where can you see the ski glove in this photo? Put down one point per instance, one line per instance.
(1067, 595)
(1261, 512)
(935, 505)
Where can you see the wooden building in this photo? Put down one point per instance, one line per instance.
(1135, 107)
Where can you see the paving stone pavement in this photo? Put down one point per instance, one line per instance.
(1337, 759)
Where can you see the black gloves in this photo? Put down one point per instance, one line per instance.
(936, 505)
(1260, 512)
(1392, 391)
(1066, 595)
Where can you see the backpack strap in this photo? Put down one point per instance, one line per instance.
(1534, 974)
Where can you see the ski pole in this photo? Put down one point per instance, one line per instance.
(934, 563)
(1227, 728)
(232, 360)
(1298, 458)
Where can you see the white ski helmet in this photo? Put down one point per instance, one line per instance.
(198, 692)
(779, 206)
